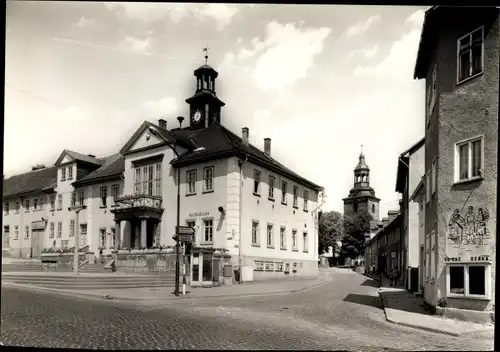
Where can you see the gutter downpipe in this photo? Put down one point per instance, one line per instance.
(316, 226)
(240, 242)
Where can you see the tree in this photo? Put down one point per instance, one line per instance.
(355, 228)
(329, 230)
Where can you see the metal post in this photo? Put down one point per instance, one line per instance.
(76, 260)
(183, 269)
(177, 249)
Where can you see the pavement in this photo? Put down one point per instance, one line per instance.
(405, 308)
(344, 313)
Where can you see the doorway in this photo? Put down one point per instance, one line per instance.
(36, 243)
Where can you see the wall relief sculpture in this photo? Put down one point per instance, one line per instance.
(468, 231)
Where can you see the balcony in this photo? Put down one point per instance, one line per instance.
(132, 206)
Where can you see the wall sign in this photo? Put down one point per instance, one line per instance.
(480, 258)
(192, 215)
(467, 235)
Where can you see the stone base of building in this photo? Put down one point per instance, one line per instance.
(264, 268)
(475, 316)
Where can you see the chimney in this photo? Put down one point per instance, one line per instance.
(267, 146)
(162, 123)
(244, 135)
(385, 221)
(92, 156)
(392, 214)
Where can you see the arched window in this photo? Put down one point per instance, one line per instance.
(373, 208)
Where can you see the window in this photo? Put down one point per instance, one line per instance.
(26, 232)
(41, 202)
(269, 266)
(63, 174)
(7, 208)
(259, 266)
(468, 280)
(52, 230)
(428, 186)
(470, 55)
(305, 246)
(137, 181)
(295, 196)
(431, 96)
(278, 266)
(59, 229)
(208, 227)
(104, 196)
(271, 186)
(434, 176)
(113, 237)
(35, 204)
(191, 182)
(256, 181)
(18, 206)
(158, 179)
(6, 235)
(469, 159)
(270, 235)
(294, 239)
(283, 237)
(71, 228)
(16, 232)
(283, 192)
(208, 178)
(306, 199)
(373, 208)
(81, 197)
(355, 207)
(115, 192)
(255, 232)
(26, 205)
(59, 201)
(102, 238)
(150, 177)
(70, 172)
(73, 199)
(83, 229)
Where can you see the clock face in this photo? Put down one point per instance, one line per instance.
(197, 115)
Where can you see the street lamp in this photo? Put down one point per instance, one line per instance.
(77, 208)
(177, 244)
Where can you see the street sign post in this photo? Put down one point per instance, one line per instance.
(184, 234)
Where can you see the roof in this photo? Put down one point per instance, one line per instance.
(79, 157)
(113, 165)
(29, 182)
(418, 190)
(390, 226)
(403, 161)
(219, 142)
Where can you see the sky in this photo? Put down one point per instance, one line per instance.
(319, 80)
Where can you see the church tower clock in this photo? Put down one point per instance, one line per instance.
(204, 105)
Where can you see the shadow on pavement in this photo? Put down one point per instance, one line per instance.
(372, 301)
(370, 282)
(404, 301)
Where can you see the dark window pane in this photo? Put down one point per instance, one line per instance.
(477, 59)
(457, 284)
(477, 36)
(477, 280)
(207, 267)
(196, 267)
(465, 43)
(464, 161)
(464, 65)
(476, 158)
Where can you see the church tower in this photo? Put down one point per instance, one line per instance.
(362, 196)
(204, 106)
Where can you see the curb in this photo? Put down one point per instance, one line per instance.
(423, 327)
(140, 300)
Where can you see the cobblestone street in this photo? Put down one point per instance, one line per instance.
(343, 314)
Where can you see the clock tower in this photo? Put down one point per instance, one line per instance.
(204, 105)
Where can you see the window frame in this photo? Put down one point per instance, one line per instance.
(270, 239)
(103, 200)
(469, 142)
(191, 181)
(257, 234)
(59, 202)
(283, 237)
(284, 192)
(296, 196)
(294, 240)
(70, 172)
(272, 185)
(206, 179)
(52, 230)
(204, 238)
(305, 242)
(257, 178)
(466, 294)
(470, 76)
(102, 238)
(26, 232)
(115, 192)
(63, 174)
(71, 228)
(306, 200)
(157, 179)
(59, 229)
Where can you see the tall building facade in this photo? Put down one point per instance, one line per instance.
(236, 196)
(459, 59)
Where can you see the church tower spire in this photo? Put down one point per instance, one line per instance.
(204, 105)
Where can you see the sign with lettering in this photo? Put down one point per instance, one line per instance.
(192, 215)
(479, 258)
(468, 234)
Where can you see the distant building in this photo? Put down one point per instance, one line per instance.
(411, 169)
(237, 197)
(458, 57)
(362, 196)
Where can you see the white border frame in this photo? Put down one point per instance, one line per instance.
(296, 247)
(466, 294)
(458, 56)
(456, 172)
(284, 237)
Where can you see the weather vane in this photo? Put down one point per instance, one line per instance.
(361, 148)
(205, 50)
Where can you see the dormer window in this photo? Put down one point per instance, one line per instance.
(70, 172)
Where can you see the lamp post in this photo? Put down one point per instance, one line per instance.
(177, 244)
(77, 208)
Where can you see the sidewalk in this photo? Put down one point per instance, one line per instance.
(405, 308)
(166, 293)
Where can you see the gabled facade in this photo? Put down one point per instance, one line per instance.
(459, 59)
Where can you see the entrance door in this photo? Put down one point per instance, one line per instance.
(36, 243)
